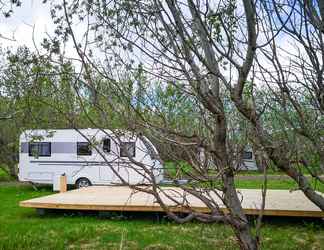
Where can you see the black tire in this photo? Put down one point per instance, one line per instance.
(82, 183)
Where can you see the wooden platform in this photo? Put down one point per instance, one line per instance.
(118, 198)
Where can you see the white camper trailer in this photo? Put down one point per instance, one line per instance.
(249, 162)
(248, 159)
(86, 157)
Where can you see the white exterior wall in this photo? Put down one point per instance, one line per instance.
(249, 164)
(64, 159)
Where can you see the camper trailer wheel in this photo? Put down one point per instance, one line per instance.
(82, 182)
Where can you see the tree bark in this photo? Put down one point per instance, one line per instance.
(259, 158)
(13, 170)
(300, 179)
(242, 230)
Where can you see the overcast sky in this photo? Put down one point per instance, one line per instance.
(20, 25)
(33, 13)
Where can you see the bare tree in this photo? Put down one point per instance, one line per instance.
(294, 77)
(187, 45)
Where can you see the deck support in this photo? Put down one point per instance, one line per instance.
(41, 211)
(63, 183)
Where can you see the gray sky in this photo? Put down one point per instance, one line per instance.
(33, 13)
(35, 16)
(20, 25)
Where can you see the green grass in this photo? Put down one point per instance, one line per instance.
(257, 172)
(276, 184)
(22, 228)
(4, 176)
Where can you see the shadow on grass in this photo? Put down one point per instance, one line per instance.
(102, 215)
(279, 221)
(286, 221)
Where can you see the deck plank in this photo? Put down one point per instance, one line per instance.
(121, 198)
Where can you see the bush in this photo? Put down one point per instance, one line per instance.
(4, 175)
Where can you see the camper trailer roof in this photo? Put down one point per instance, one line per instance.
(70, 134)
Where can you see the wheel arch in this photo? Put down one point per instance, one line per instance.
(82, 177)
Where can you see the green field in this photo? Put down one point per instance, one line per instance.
(276, 184)
(22, 228)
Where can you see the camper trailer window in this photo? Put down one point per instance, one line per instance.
(247, 155)
(127, 147)
(83, 148)
(106, 145)
(39, 149)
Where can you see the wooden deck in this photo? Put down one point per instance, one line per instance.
(120, 198)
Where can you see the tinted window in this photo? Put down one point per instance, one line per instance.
(83, 148)
(106, 145)
(127, 147)
(247, 155)
(39, 149)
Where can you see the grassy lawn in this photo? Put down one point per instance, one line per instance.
(255, 172)
(276, 184)
(22, 228)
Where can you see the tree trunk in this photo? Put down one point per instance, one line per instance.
(239, 220)
(242, 230)
(13, 170)
(259, 158)
(301, 180)
(276, 154)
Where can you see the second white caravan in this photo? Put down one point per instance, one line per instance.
(87, 157)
